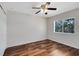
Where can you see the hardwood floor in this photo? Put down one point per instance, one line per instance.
(42, 48)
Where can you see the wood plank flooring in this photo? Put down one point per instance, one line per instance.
(42, 48)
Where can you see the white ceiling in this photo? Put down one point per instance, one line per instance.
(26, 7)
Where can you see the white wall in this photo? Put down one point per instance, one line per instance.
(23, 28)
(2, 32)
(65, 38)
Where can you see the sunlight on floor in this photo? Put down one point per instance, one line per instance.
(59, 53)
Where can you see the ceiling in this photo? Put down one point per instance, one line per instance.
(26, 7)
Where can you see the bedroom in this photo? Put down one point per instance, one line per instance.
(25, 28)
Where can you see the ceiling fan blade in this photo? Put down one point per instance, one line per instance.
(48, 3)
(35, 7)
(52, 8)
(37, 12)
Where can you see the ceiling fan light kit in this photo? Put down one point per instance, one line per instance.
(44, 8)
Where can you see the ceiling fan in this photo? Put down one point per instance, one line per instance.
(44, 8)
